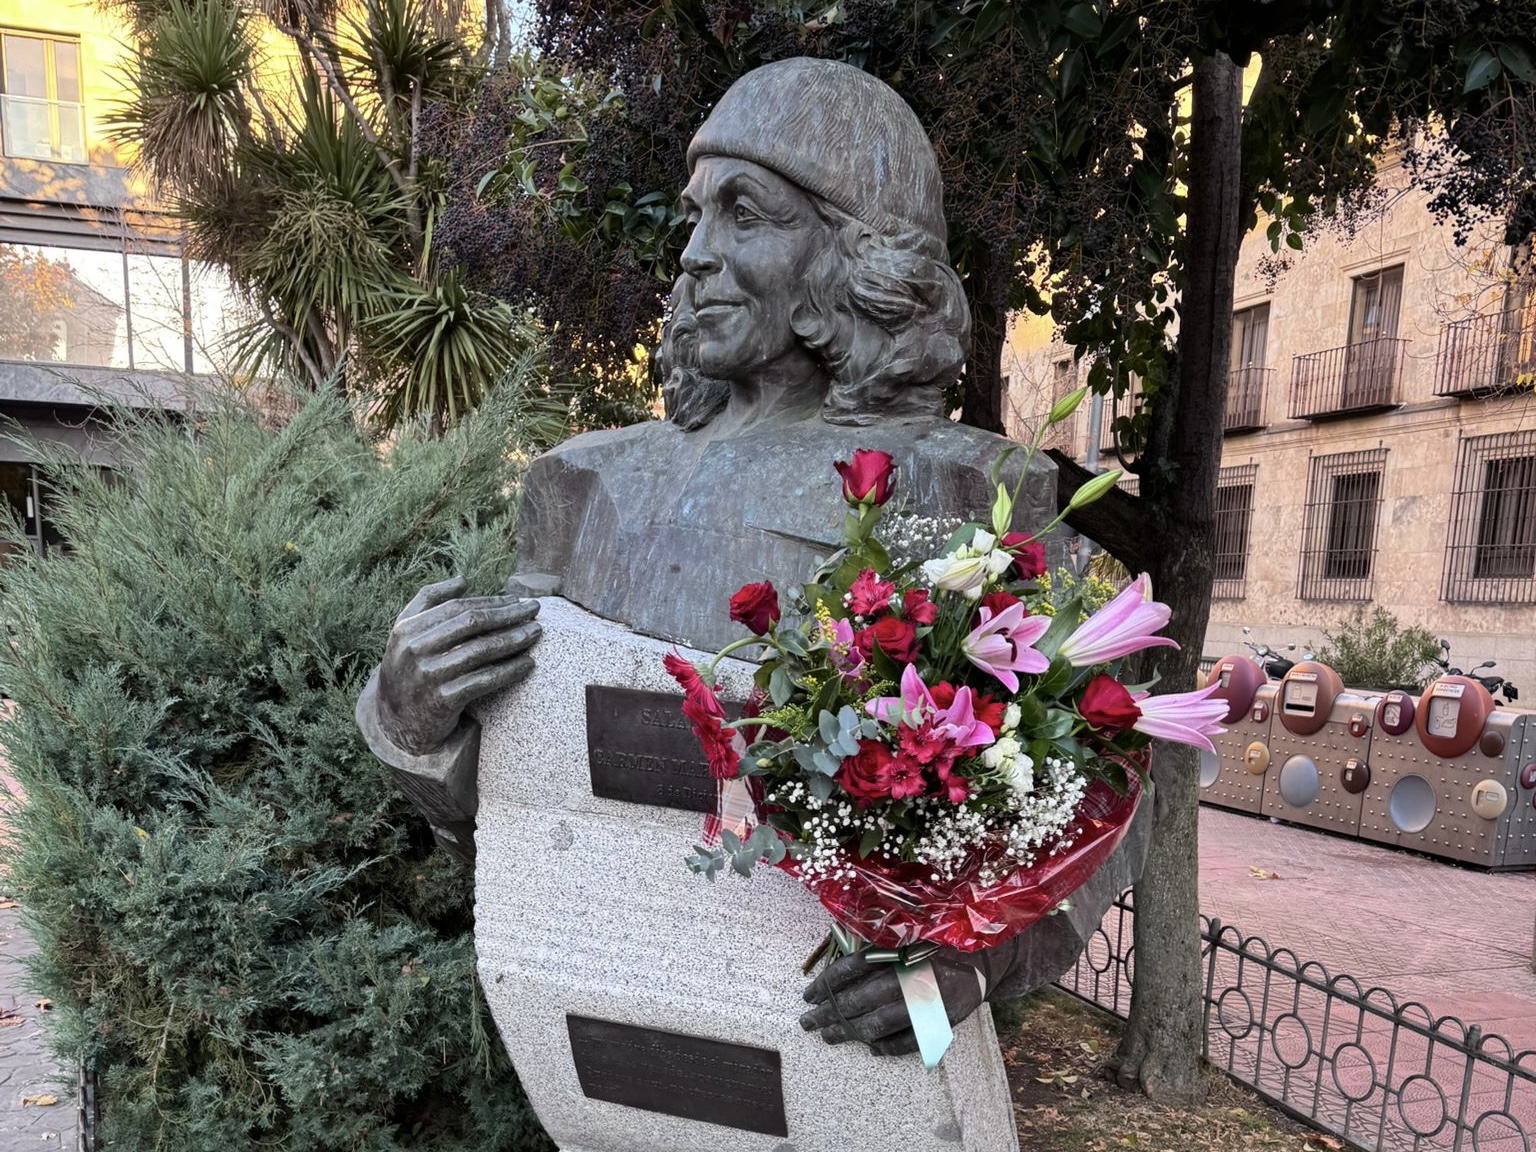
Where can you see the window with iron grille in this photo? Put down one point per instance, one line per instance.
(1490, 553)
(1234, 517)
(1338, 548)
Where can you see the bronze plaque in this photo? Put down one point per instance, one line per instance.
(692, 1077)
(641, 749)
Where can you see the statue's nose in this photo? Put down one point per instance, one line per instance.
(699, 257)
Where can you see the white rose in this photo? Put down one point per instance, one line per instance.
(1000, 752)
(1021, 774)
(1011, 717)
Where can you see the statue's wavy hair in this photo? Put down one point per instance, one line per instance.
(885, 315)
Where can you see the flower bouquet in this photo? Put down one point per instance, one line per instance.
(939, 754)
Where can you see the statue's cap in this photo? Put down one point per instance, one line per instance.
(837, 131)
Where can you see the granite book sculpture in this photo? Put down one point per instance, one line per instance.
(644, 1009)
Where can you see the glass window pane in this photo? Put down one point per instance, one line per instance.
(155, 298)
(25, 71)
(66, 71)
(217, 311)
(16, 493)
(28, 128)
(62, 304)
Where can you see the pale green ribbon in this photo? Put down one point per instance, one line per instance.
(919, 988)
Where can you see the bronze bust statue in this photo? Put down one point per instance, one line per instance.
(816, 312)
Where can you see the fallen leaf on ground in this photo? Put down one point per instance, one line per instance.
(1263, 873)
(9, 904)
(9, 1019)
(45, 1004)
(40, 1101)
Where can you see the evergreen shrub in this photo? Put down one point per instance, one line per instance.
(1377, 652)
(244, 928)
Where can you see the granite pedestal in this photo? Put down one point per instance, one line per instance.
(615, 974)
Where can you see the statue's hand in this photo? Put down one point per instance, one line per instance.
(445, 653)
(857, 1000)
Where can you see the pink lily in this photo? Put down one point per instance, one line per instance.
(956, 723)
(1128, 623)
(846, 658)
(1000, 644)
(1185, 717)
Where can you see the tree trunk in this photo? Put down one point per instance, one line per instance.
(1163, 1041)
(982, 403)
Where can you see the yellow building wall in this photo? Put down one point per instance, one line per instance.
(105, 52)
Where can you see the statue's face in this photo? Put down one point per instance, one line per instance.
(754, 237)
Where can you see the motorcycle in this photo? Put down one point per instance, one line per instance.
(1274, 664)
(1495, 684)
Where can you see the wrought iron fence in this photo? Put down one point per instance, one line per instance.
(1383, 1075)
(1245, 399)
(1355, 378)
(1487, 355)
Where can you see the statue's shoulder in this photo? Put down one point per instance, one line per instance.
(600, 449)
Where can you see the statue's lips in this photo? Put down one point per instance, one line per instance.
(716, 309)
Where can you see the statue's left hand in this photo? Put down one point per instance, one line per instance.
(857, 1000)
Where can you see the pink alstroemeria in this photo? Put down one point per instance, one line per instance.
(1185, 717)
(957, 723)
(1000, 644)
(1128, 623)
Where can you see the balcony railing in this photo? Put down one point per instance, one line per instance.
(39, 129)
(1246, 388)
(1486, 355)
(1356, 378)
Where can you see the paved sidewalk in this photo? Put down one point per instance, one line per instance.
(1455, 939)
(28, 1070)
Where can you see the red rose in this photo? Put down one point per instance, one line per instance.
(998, 600)
(896, 638)
(756, 606)
(703, 710)
(1028, 554)
(868, 595)
(1107, 705)
(866, 775)
(916, 607)
(868, 479)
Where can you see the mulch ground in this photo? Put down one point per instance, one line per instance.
(1055, 1047)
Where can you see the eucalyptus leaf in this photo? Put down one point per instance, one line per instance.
(780, 687)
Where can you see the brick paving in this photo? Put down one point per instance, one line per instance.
(27, 1068)
(1455, 939)
(1449, 946)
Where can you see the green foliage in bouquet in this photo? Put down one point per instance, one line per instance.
(921, 708)
(245, 929)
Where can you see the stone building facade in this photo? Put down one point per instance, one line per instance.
(1380, 436)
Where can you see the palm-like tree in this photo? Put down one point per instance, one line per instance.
(287, 134)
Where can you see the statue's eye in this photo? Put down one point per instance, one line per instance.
(743, 214)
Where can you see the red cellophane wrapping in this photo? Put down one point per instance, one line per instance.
(894, 905)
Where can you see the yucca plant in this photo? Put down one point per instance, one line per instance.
(313, 195)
